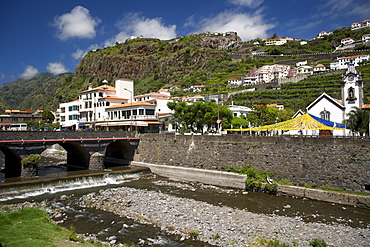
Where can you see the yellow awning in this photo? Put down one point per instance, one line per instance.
(304, 122)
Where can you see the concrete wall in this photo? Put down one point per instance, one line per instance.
(219, 178)
(338, 162)
(328, 196)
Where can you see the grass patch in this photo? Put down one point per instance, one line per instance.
(32, 227)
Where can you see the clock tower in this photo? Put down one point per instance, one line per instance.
(352, 90)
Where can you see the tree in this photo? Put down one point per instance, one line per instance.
(47, 116)
(358, 121)
(262, 115)
(238, 121)
(195, 116)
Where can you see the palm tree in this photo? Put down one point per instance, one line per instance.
(358, 121)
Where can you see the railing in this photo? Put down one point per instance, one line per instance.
(70, 140)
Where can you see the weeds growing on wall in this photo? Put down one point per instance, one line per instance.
(256, 180)
(32, 158)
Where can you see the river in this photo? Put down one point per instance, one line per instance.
(109, 227)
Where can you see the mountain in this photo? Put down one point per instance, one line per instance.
(35, 93)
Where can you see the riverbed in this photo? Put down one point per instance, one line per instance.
(149, 210)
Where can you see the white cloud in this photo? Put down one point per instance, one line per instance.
(29, 72)
(134, 25)
(80, 53)
(247, 3)
(2, 76)
(247, 26)
(78, 23)
(335, 8)
(56, 68)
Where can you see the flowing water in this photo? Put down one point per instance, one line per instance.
(109, 227)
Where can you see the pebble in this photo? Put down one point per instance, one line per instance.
(218, 225)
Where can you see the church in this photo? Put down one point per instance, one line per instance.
(328, 108)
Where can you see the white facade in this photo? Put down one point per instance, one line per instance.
(239, 110)
(304, 70)
(267, 73)
(366, 37)
(319, 68)
(277, 41)
(334, 110)
(347, 41)
(69, 115)
(327, 108)
(234, 82)
(94, 101)
(343, 62)
(355, 25)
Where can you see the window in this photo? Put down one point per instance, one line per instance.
(107, 104)
(141, 111)
(149, 112)
(134, 112)
(325, 115)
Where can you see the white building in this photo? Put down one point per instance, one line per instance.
(136, 116)
(267, 73)
(234, 82)
(343, 62)
(239, 110)
(107, 107)
(319, 68)
(304, 70)
(347, 41)
(322, 34)
(328, 108)
(277, 41)
(355, 25)
(69, 115)
(94, 101)
(366, 37)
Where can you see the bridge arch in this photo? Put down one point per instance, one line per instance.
(13, 162)
(119, 150)
(77, 155)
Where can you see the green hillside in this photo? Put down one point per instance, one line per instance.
(180, 63)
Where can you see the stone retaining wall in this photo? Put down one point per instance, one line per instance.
(338, 162)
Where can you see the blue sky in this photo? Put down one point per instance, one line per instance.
(52, 36)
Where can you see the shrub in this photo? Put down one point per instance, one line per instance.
(32, 158)
(318, 242)
(255, 179)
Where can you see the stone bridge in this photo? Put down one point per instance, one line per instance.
(85, 150)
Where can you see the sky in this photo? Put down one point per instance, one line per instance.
(53, 35)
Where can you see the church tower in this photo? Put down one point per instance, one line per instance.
(352, 90)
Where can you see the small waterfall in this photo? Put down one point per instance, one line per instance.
(66, 185)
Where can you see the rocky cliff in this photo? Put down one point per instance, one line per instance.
(167, 60)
